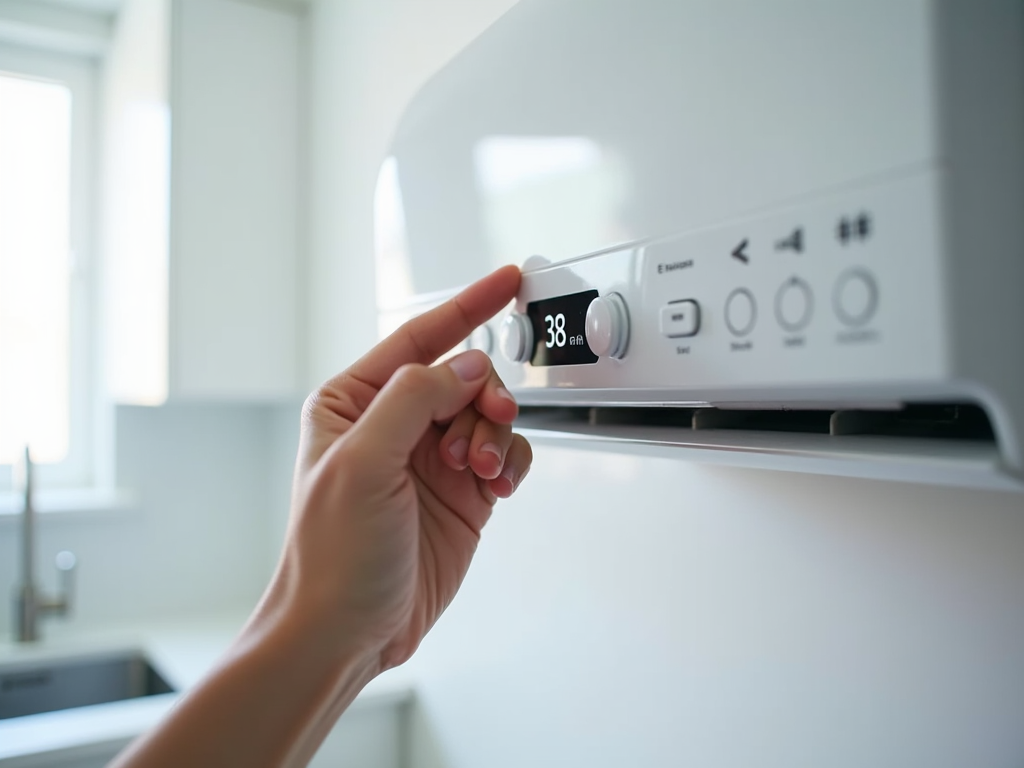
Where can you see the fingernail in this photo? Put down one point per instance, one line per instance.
(491, 448)
(509, 473)
(513, 477)
(469, 366)
(459, 450)
(502, 392)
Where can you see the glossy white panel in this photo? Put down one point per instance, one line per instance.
(573, 126)
(771, 315)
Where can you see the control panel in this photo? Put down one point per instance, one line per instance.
(845, 289)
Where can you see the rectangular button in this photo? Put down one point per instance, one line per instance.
(680, 319)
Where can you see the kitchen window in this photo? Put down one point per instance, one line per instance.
(47, 350)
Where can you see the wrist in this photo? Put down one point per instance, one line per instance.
(291, 623)
(272, 698)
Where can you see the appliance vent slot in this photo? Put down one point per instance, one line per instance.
(949, 421)
(779, 420)
(642, 417)
(941, 421)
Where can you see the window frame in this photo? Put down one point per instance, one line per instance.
(89, 429)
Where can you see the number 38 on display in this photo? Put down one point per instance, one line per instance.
(556, 333)
(556, 330)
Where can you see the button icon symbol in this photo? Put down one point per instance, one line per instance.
(793, 242)
(863, 226)
(854, 228)
(738, 252)
(844, 230)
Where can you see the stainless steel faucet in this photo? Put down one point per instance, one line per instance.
(30, 605)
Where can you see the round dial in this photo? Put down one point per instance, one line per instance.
(856, 297)
(794, 305)
(740, 312)
(608, 326)
(516, 338)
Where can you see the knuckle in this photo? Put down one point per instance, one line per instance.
(484, 430)
(345, 458)
(465, 423)
(324, 397)
(411, 376)
(348, 463)
(462, 424)
(311, 403)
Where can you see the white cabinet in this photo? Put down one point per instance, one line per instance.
(201, 194)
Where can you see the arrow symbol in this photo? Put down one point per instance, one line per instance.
(738, 252)
(795, 242)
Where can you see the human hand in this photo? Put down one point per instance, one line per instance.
(393, 483)
(399, 467)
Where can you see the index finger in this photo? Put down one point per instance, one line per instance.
(426, 337)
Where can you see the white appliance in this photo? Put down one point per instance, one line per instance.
(779, 234)
(775, 207)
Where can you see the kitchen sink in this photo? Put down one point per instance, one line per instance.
(28, 688)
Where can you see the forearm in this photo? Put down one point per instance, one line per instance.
(269, 703)
(384, 525)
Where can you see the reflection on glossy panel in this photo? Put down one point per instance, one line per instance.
(547, 194)
(582, 125)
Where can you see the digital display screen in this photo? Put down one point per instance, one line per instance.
(559, 330)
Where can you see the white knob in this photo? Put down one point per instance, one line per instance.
(608, 326)
(482, 338)
(517, 338)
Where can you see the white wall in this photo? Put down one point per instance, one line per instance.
(198, 541)
(683, 614)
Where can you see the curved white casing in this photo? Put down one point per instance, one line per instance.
(838, 193)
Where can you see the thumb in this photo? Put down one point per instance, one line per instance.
(415, 397)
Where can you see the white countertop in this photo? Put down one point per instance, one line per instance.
(182, 651)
